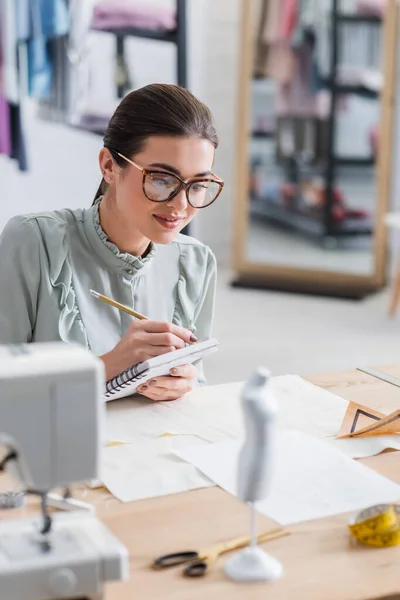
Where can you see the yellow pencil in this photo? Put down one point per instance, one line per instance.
(122, 307)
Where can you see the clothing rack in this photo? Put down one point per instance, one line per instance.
(177, 37)
(321, 158)
(336, 89)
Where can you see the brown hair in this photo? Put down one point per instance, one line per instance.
(156, 109)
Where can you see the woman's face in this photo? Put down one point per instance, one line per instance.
(159, 222)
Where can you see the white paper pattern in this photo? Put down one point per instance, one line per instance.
(207, 415)
(311, 478)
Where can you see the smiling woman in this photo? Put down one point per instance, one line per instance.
(156, 167)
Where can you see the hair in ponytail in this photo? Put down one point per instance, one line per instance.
(100, 191)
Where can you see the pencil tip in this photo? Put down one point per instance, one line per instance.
(95, 294)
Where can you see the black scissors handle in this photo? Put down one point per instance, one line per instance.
(196, 569)
(172, 560)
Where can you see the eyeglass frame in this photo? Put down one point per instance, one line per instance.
(183, 184)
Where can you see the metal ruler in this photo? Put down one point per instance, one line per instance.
(380, 375)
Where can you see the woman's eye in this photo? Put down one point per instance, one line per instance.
(198, 187)
(162, 181)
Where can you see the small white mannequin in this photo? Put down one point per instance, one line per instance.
(254, 474)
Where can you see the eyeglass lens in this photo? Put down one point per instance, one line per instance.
(160, 186)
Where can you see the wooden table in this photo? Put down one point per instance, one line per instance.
(320, 560)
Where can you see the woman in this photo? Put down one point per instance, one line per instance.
(156, 165)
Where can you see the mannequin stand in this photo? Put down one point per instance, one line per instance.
(253, 563)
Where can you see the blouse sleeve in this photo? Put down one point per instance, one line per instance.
(19, 280)
(204, 312)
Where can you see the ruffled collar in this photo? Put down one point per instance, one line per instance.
(128, 264)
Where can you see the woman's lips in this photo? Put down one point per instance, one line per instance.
(168, 222)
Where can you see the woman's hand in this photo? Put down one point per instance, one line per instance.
(180, 382)
(143, 340)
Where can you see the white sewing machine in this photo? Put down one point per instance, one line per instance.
(51, 421)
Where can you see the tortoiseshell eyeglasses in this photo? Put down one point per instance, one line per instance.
(160, 186)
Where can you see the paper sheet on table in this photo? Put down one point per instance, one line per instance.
(214, 413)
(150, 469)
(366, 446)
(207, 415)
(311, 478)
(360, 421)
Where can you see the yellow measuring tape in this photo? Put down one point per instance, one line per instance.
(378, 526)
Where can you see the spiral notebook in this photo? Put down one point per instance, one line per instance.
(127, 382)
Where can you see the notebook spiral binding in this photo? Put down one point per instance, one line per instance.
(119, 382)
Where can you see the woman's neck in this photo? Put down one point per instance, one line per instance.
(115, 228)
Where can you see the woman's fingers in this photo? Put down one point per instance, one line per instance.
(166, 388)
(188, 371)
(163, 327)
(171, 383)
(157, 350)
(165, 339)
(160, 394)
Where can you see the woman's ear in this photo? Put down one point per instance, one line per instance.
(106, 163)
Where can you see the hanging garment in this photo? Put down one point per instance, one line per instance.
(12, 141)
(8, 36)
(24, 19)
(289, 18)
(261, 49)
(39, 22)
(297, 97)
(274, 56)
(54, 106)
(5, 132)
(314, 17)
(78, 52)
(18, 144)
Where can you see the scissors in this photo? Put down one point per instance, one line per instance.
(201, 561)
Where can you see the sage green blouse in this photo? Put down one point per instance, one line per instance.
(49, 261)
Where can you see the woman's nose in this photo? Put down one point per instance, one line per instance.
(179, 202)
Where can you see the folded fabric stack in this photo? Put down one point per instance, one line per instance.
(118, 14)
(371, 7)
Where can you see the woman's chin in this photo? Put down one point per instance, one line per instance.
(160, 234)
(163, 237)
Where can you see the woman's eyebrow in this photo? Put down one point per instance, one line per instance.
(177, 171)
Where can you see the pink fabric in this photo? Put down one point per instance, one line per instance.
(281, 63)
(281, 18)
(371, 7)
(374, 139)
(5, 133)
(116, 14)
(288, 18)
(271, 32)
(296, 98)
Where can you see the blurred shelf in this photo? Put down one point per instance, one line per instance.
(348, 161)
(359, 19)
(356, 89)
(262, 207)
(263, 134)
(359, 90)
(148, 34)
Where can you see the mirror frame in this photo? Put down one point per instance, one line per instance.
(333, 283)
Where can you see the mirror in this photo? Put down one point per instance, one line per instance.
(317, 84)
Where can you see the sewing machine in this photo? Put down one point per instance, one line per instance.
(51, 424)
